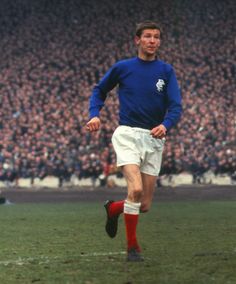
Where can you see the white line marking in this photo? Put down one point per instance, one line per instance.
(46, 259)
(103, 253)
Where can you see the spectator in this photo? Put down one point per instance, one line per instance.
(51, 58)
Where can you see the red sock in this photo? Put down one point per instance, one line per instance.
(131, 222)
(131, 214)
(116, 208)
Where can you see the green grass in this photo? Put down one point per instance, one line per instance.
(183, 242)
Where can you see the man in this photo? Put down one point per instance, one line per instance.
(150, 104)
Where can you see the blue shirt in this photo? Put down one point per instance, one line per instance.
(148, 93)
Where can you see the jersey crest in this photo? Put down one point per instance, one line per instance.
(160, 85)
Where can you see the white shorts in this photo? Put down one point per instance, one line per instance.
(135, 145)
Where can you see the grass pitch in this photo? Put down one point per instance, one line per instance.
(182, 242)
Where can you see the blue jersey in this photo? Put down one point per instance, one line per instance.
(148, 93)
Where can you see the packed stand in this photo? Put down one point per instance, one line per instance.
(54, 52)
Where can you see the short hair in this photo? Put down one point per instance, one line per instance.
(140, 27)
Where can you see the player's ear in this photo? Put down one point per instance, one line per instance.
(137, 40)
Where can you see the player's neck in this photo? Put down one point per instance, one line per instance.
(147, 57)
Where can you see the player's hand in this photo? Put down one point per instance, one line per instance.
(93, 124)
(159, 131)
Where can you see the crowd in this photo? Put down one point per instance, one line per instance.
(54, 52)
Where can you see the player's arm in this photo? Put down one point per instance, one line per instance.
(174, 108)
(98, 97)
(174, 105)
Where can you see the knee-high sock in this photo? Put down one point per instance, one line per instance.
(116, 208)
(131, 214)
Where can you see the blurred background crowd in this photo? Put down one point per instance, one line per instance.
(53, 52)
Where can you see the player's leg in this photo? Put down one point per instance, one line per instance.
(115, 208)
(133, 178)
(149, 185)
(150, 168)
(126, 152)
(131, 209)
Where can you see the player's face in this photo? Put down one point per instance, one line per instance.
(148, 43)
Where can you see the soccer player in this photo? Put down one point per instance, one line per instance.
(150, 104)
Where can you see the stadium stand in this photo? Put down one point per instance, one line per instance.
(54, 52)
